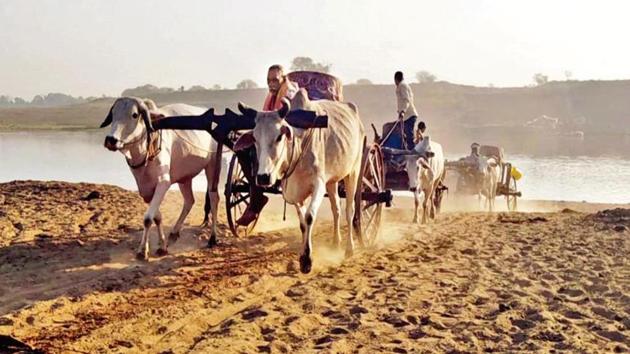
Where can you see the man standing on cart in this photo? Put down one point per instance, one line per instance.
(406, 109)
(279, 87)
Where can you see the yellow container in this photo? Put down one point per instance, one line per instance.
(516, 174)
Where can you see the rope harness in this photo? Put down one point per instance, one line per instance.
(154, 146)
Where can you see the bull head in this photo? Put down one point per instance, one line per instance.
(298, 118)
(273, 137)
(123, 116)
(144, 112)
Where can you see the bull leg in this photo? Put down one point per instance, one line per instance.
(425, 206)
(432, 200)
(416, 200)
(162, 241)
(331, 189)
(350, 183)
(299, 207)
(206, 210)
(189, 199)
(212, 176)
(306, 261)
(479, 196)
(149, 216)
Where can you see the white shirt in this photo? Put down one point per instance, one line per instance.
(404, 96)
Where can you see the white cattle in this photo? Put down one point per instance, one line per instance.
(426, 174)
(488, 175)
(309, 162)
(158, 159)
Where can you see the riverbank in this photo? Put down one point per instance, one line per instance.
(552, 278)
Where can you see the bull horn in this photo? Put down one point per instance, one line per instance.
(286, 107)
(377, 138)
(246, 110)
(108, 119)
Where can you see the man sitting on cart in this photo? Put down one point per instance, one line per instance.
(419, 134)
(279, 88)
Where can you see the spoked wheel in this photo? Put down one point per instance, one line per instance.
(237, 198)
(368, 209)
(511, 197)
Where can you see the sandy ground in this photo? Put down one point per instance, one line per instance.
(470, 282)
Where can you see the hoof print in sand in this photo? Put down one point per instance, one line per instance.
(253, 314)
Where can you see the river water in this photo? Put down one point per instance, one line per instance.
(81, 157)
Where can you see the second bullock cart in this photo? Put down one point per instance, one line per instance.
(468, 177)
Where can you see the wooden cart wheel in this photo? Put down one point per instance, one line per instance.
(367, 215)
(511, 196)
(237, 198)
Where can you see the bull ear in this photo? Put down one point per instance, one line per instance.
(146, 117)
(286, 131)
(246, 110)
(108, 119)
(244, 141)
(286, 107)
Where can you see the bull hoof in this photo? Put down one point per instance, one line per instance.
(142, 256)
(173, 236)
(212, 241)
(205, 223)
(305, 264)
(161, 252)
(349, 253)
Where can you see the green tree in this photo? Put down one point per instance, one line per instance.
(540, 79)
(424, 77)
(308, 64)
(364, 82)
(196, 88)
(247, 84)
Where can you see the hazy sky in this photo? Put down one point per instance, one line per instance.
(95, 47)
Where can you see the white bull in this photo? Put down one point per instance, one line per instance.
(309, 162)
(488, 178)
(426, 175)
(158, 159)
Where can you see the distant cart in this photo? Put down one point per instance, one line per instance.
(468, 175)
